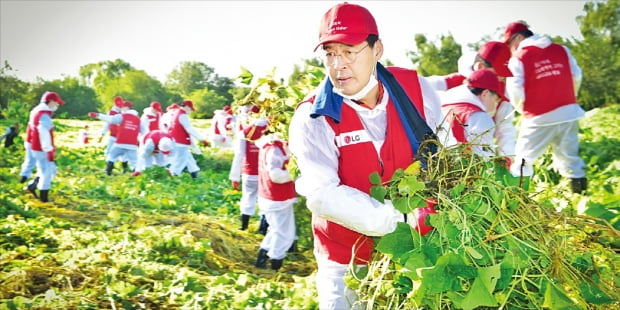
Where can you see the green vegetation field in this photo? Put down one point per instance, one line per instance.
(158, 242)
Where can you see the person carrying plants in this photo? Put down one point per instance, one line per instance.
(41, 143)
(469, 108)
(276, 197)
(182, 132)
(363, 118)
(544, 86)
(126, 142)
(244, 168)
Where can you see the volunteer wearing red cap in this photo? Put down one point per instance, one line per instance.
(155, 146)
(126, 143)
(276, 197)
(182, 132)
(113, 128)
(83, 135)
(166, 118)
(546, 78)
(469, 107)
(151, 117)
(494, 56)
(363, 118)
(40, 135)
(220, 133)
(244, 168)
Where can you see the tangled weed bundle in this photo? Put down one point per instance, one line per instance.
(492, 245)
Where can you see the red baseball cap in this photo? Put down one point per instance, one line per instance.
(52, 96)
(228, 109)
(156, 105)
(514, 28)
(189, 103)
(486, 79)
(497, 54)
(172, 107)
(127, 104)
(118, 101)
(346, 23)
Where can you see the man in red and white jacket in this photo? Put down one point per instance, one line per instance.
(113, 129)
(469, 108)
(244, 167)
(276, 197)
(349, 128)
(156, 145)
(41, 143)
(126, 143)
(182, 132)
(544, 86)
(151, 116)
(221, 128)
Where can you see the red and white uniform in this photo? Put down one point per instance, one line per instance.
(149, 152)
(220, 133)
(126, 143)
(276, 196)
(150, 119)
(469, 120)
(40, 138)
(182, 132)
(83, 136)
(113, 128)
(244, 166)
(544, 87)
(336, 160)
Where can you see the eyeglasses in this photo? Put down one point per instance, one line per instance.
(348, 56)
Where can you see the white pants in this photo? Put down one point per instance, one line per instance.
(46, 170)
(563, 139)
(249, 194)
(281, 232)
(181, 157)
(129, 155)
(148, 159)
(333, 292)
(29, 161)
(108, 148)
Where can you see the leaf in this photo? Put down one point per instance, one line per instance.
(378, 192)
(556, 299)
(408, 204)
(593, 294)
(414, 168)
(410, 186)
(447, 273)
(457, 190)
(478, 295)
(398, 242)
(375, 179)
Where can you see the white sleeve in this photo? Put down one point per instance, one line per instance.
(505, 131)
(433, 114)
(480, 130)
(514, 84)
(437, 82)
(575, 70)
(311, 141)
(239, 151)
(44, 127)
(187, 125)
(111, 119)
(274, 162)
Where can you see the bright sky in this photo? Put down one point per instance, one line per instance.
(52, 39)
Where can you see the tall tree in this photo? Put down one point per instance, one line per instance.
(190, 76)
(598, 54)
(429, 59)
(12, 89)
(80, 98)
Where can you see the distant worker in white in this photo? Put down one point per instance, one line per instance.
(155, 147)
(221, 131)
(126, 144)
(182, 132)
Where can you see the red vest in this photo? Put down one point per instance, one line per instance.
(32, 134)
(266, 188)
(179, 133)
(113, 127)
(156, 136)
(334, 240)
(153, 121)
(548, 81)
(457, 114)
(128, 129)
(250, 160)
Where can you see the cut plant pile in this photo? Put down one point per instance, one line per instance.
(491, 246)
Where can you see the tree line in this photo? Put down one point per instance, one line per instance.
(598, 55)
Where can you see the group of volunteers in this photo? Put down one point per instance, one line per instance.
(362, 118)
(365, 118)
